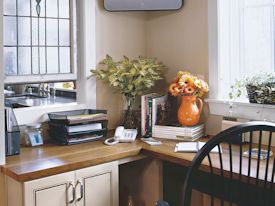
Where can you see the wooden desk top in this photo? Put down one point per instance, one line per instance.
(166, 152)
(38, 162)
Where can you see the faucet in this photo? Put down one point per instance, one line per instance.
(44, 90)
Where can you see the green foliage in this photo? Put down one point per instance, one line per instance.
(131, 77)
(256, 80)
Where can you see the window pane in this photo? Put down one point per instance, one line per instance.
(42, 60)
(253, 2)
(10, 7)
(10, 59)
(35, 61)
(258, 40)
(51, 8)
(65, 64)
(52, 60)
(64, 32)
(33, 44)
(52, 32)
(41, 29)
(24, 31)
(10, 31)
(35, 31)
(64, 8)
(42, 8)
(24, 60)
(23, 7)
(42, 32)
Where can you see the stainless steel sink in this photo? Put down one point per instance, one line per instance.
(30, 100)
(23, 96)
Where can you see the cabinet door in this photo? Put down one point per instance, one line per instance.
(100, 185)
(57, 190)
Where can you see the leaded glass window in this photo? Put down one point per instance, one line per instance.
(39, 37)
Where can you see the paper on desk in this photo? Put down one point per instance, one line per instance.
(151, 141)
(192, 147)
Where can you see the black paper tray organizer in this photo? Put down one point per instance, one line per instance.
(78, 116)
(78, 126)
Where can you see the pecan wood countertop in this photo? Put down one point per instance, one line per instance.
(49, 159)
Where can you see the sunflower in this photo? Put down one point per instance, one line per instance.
(189, 90)
(174, 89)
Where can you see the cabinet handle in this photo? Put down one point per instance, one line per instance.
(71, 185)
(81, 190)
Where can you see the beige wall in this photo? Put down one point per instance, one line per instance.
(118, 34)
(178, 38)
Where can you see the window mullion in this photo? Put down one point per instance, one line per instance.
(31, 36)
(58, 37)
(273, 36)
(17, 37)
(46, 32)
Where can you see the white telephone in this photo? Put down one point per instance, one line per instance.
(122, 135)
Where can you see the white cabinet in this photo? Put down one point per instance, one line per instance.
(100, 186)
(57, 190)
(97, 185)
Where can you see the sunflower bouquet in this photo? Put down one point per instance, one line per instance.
(187, 84)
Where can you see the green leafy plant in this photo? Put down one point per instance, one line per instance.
(131, 77)
(259, 80)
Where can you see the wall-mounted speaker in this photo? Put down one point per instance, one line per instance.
(142, 5)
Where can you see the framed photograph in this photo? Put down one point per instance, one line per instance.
(35, 138)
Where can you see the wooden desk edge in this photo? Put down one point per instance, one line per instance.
(32, 175)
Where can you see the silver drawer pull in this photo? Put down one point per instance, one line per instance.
(71, 185)
(81, 190)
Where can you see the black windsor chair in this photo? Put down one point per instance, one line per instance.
(230, 177)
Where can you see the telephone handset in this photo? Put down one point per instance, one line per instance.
(122, 135)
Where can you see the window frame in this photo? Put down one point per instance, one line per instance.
(215, 48)
(225, 107)
(86, 85)
(72, 76)
(2, 127)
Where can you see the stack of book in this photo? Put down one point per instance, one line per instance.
(150, 119)
(179, 133)
(78, 126)
(149, 107)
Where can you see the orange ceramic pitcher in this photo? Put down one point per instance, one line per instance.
(190, 110)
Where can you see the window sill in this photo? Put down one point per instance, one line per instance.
(242, 110)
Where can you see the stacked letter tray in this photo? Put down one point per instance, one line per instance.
(78, 126)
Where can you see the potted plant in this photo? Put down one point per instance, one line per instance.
(132, 78)
(260, 88)
(191, 89)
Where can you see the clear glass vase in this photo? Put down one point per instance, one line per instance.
(130, 120)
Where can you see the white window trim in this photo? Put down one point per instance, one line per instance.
(86, 86)
(34, 78)
(2, 128)
(242, 110)
(216, 105)
(20, 79)
(213, 48)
